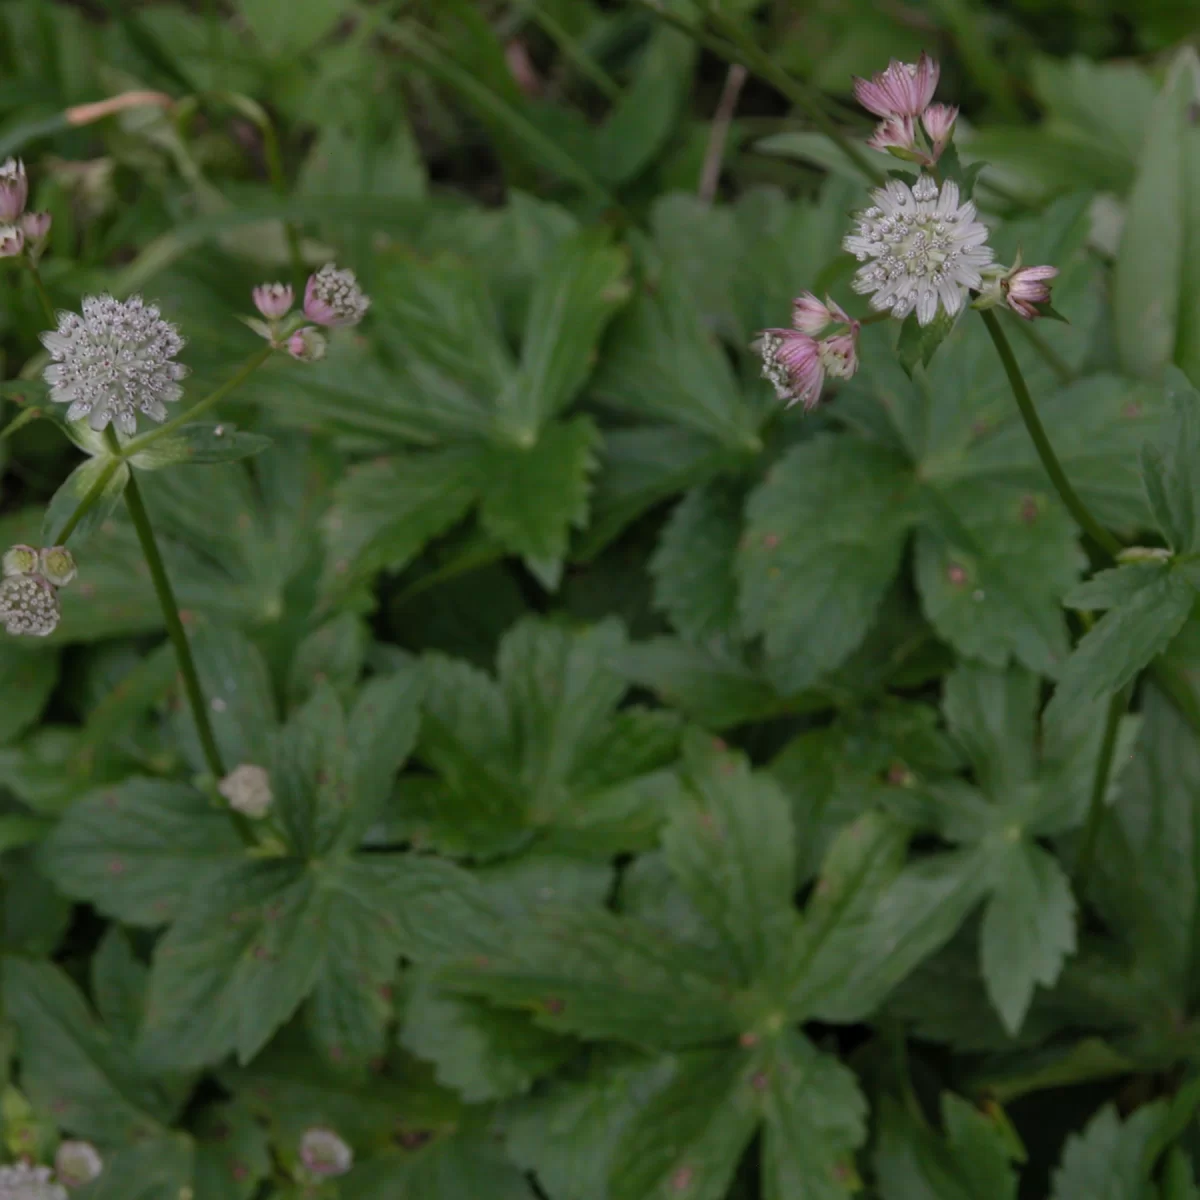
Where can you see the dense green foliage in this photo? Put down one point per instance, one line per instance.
(674, 795)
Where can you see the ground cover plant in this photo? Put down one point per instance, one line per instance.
(598, 600)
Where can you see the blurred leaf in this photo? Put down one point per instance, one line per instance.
(101, 477)
(27, 677)
(1108, 1158)
(201, 444)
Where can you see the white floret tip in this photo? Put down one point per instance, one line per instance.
(115, 360)
(923, 250)
(24, 1182)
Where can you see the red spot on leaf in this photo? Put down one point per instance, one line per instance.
(682, 1179)
(748, 1039)
(771, 540)
(116, 866)
(956, 574)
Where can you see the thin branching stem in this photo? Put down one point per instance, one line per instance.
(1041, 443)
(1104, 763)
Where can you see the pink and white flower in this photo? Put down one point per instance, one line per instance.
(797, 364)
(902, 90)
(893, 132)
(273, 300)
(922, 249)
(938, 120)
(1025, 288)
(810, 316)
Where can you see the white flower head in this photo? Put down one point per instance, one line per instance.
(324, 1153)
(114, 361)
(923, 249)
(332, 297)
(28, 608)
(23, 1182)
(248, 790)
(77, 1163)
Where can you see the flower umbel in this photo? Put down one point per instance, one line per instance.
(809, 315)
(57, 565)
(902, 90)
(332, 297)
(20, 560)
(796, 363)
(77, 1163)
(324, 1153)
(248, 790)
(938, 120)
(893, 133)
(307, 344)
(28, 607)
(273, 300)
(23, 1182)
(922, 248)
(114, 361)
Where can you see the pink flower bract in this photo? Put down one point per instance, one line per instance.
(902, 90)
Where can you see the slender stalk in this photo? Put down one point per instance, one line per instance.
(714, 155)
(736, 47)
(573, 52)
(278, 178)
(39, 287)
(170, 611)
(1095, 818)
(1041, 443)
(139, 443)
(88, 499)
(1047, 353)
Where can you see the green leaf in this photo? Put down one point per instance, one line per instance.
(693, 565)
(27, 677)
(384, 512)
(566, 1133)
(603, 977)
(1106, 1160)
(232, 1156)
(729, 844)
(201, 444)
(688, 1139)
(919, 343)
(811, 587)
(974, 1158)
(533, 495)
(119, 985)
(1028, 930)
(102, 477)
(815, 1118)
(334, 652)
(1127, 637)
(1147, 281)
(576, 295)
(484, 1053)
(139, 849)
(72, 1067)
(1167, 470)
(158, 1168)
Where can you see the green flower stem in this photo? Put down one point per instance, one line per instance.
(1095, 818)
(1033, 423)
(736, 46)
(40, 288)
(139, 443)
(170, 611)
(278, 178)
(89, 498)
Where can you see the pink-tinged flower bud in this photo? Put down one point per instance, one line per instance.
(273, 300)
(77, 1163)
(809, 315)
(1024, 289)
(12, 241)
(307, 345)
(20, 560)
(324, 1154)
(57, 565)
(893, 133)
(938, 120)
(902, 90)
(792, 364)
(36, 226)
(28, 606)
(332, 297)
(248, 790)
(14, 190)
(839, 354)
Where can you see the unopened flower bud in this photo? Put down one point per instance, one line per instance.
(58, 565)
(1025, 288)
(14, 190)
(810, 316)
(35, 226)
(324, 1153)
(332, 297)
(902, 90)
(895, 134)
(839, 355)
(12, 241)
(248, 790)
(1135, 554)
(28, 606)
(307, 345)
(273, 300)
(77, 1163)
(20, 560)
(938, 120)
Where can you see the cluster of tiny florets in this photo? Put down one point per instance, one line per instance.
(796, 363)
(925, 249)
(324, 1154)
(20, 231)
(332, 297)
(23, 1182)
(29, 589)
(77, 1163)
(248, 790)
(115, 360)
